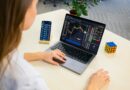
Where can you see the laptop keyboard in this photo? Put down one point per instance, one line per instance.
(73, 53)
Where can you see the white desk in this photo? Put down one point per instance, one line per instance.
(59, 78)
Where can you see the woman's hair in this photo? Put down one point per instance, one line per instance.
(12, 14)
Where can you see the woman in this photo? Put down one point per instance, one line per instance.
(15, 72)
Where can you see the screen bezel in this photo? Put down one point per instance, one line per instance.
(91, 21)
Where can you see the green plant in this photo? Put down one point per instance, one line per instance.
(80, 7)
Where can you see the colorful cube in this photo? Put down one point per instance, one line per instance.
(110, 47)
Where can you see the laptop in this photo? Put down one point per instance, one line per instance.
(80, 40)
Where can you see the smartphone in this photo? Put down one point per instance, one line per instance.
(45, 32)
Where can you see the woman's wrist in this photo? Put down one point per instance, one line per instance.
(91, 88)
(33, 56)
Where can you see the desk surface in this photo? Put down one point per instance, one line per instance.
(59, 78)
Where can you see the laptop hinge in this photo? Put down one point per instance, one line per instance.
(76, 47)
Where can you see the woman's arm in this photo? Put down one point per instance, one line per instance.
(32, 56)
(45, 56)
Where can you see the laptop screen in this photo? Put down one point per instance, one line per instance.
(82, 33)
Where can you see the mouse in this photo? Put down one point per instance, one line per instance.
(59, 61)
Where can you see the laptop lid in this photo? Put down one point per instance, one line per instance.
(82, 33)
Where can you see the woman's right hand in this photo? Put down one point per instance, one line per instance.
(98, 80)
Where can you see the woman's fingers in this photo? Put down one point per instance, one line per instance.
(59, 53)
(102, 72)
(59, 58)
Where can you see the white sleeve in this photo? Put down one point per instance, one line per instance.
(20, 75)
(35, 83)
(33, 80)
(27, 78)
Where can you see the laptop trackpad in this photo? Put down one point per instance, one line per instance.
(74, 65)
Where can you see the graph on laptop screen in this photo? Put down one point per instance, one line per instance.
(82, 33)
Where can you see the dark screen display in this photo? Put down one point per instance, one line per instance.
(82, 33)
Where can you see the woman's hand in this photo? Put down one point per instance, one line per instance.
(49, 56)
(98, 80)
(46, 56)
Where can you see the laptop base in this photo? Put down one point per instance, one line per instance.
(74, 65)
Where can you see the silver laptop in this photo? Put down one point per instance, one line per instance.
(80, 40)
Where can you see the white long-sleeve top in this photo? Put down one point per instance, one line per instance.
(20, 75)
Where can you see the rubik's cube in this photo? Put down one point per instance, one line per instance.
(110, 47)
